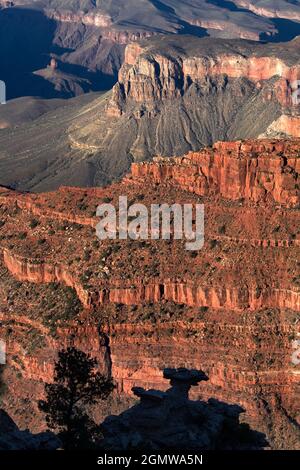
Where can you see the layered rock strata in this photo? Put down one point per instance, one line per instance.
(139, 306)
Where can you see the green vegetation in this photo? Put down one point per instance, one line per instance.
(77, 384)
(33, 223)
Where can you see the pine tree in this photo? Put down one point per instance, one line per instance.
(76, 385)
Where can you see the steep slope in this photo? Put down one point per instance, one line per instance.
(24, 109)
(172, 96)
(270, 9)
(140, 306)
(28, 108)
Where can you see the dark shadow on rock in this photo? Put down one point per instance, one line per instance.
(226, 4)
(170, 420)
(26, 42)
(287, 30)
(193, 30)
(27, 39)
(99, 81)
(12, 438)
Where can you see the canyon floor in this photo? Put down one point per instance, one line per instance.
(139, 306)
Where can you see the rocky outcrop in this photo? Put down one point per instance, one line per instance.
(256, 171)
(284, 125)
(137, 292)
(12, 438)
(97, 19)
(102, 21)
(169, 420)
(39, 271)
(149, 75)
(239, 31)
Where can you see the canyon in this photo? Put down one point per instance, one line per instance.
(139, 306)
(172, 96)
(164, 102)
(88, 39)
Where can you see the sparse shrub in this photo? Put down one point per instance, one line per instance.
(203, 309)
(213, 243)
(95, 244)
(33, 223)
(82, 206)
(107, 200)
(22, 235)
(87, 255)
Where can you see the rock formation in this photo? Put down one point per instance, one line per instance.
(140, 306)
(90, 39)
(173, 69)
(241, 170)
(169, 420)
(163, 17)
(173, 96)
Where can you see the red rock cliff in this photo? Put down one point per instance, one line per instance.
(231, 309)
(257, 171)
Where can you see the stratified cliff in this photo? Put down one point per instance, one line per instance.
(173, 96)
(140, 306)
(199, 74)
(255, 171)
(88, 38)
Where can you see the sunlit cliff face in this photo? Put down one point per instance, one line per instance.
(141, 305)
